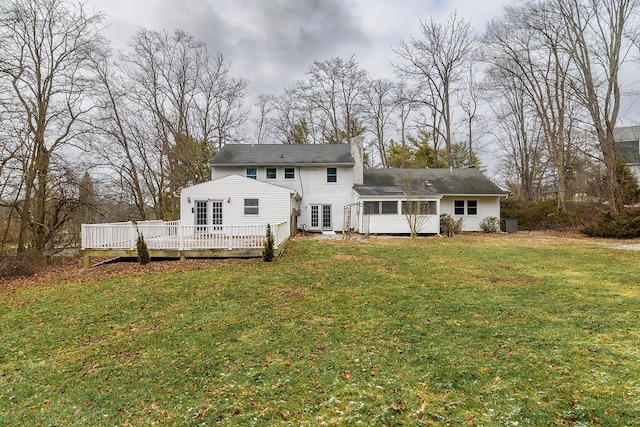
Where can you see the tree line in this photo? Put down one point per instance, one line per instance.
(92, 135)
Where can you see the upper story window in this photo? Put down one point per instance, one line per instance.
(252, 173)
(272, 173)
(332, 174)
(289, 173)
(251, 206)
(471, 207)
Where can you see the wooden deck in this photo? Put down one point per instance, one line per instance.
(174, 240)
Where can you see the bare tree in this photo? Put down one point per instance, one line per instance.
(519, 136)
(46, 47)
(293, 118)
(403, 98)
(120, 150)
(187, 106)
(469, 100)
(527, 45)
(335, 89)
(600, 35)
(380, 106)
(416, 208)
(435, 61)
(263, 123)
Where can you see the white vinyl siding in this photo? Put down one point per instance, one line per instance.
(387, 216)
(311, 183)
(274, 202)
(483, 206)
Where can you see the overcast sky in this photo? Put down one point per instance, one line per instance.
(272, 43)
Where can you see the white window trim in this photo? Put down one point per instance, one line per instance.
(466, 207)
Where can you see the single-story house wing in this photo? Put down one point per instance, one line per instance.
(462, 193)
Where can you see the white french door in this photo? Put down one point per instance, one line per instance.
(321, 217)
(207, 212)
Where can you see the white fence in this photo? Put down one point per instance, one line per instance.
(175, 236)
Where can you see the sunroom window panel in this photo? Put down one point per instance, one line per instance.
(390, 207)
(372, 208)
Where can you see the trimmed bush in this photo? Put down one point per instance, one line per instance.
(268, 251)
(143, 251)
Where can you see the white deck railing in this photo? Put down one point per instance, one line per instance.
(175, 236)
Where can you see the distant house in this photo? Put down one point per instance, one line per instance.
(628, 142)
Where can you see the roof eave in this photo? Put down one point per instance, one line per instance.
(281, 164)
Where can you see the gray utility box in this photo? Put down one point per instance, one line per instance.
(511, 225)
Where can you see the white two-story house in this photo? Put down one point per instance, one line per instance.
(323, 188)
(326, 188)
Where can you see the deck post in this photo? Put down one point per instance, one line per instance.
(87, 261)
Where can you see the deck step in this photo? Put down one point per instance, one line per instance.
(329, 232)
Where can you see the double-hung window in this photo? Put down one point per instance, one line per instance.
(251, 207)
(332, 174)
(458, 207)
(252, 173)
(289, 173)
(272, 173)
(470, 205)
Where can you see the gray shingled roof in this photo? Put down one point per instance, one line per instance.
(443, 181)
(283, 154)
(394, 190)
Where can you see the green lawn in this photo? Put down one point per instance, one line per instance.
(466, 331)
